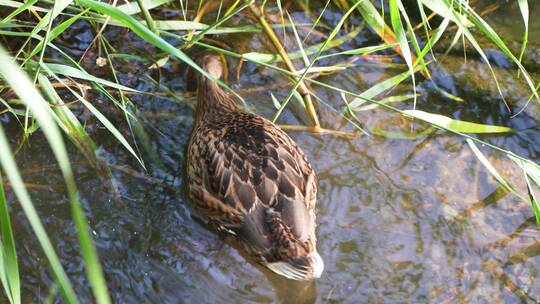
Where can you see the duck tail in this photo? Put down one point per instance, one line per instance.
(304, 268)
(296, 260)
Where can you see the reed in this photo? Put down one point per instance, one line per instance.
(30, 80)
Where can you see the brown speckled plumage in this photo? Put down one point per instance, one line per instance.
(248, 176)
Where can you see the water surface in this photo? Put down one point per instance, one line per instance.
(403, 217)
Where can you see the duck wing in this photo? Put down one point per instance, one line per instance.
(253, 169)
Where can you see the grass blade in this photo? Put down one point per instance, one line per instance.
(379, 88)
(23, 87)
(442, 9)
(58, 7)
(298, 41)
(8, 255)
(397, 26)
(133, 7)
(216, 24)
(534, 201)
(69, 122)
(524, 8)
(82, 74)
(494, 37)
(532, 172)
(114, 131)
(16, 4)
(147, 35)
(331, 36)
(456, 125)
(389, 99)
(149, 21)
(266, 57)
(316, 22)
(58, 30)
(20, 9)
(419, 53)
(359, 51)
(482, 158)
(40, 109)
(532, 169)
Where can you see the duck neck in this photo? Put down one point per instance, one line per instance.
(212, 101)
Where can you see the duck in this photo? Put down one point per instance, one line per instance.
(248, 178)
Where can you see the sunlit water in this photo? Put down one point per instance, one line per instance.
(402, 217)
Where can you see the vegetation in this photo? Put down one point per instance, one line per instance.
(31, 79)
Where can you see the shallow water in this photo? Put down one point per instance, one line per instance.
(402, 217)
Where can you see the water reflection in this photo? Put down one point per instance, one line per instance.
(286, 290)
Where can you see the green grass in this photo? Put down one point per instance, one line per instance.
(30, 67)
(9, 268)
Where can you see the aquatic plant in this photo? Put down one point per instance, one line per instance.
(38, 78)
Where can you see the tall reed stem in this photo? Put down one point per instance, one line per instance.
(303, 89)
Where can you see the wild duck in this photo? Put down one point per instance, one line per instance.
(249, 178)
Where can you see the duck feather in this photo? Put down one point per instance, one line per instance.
(248, 176)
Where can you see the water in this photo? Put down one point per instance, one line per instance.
(402, 217)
